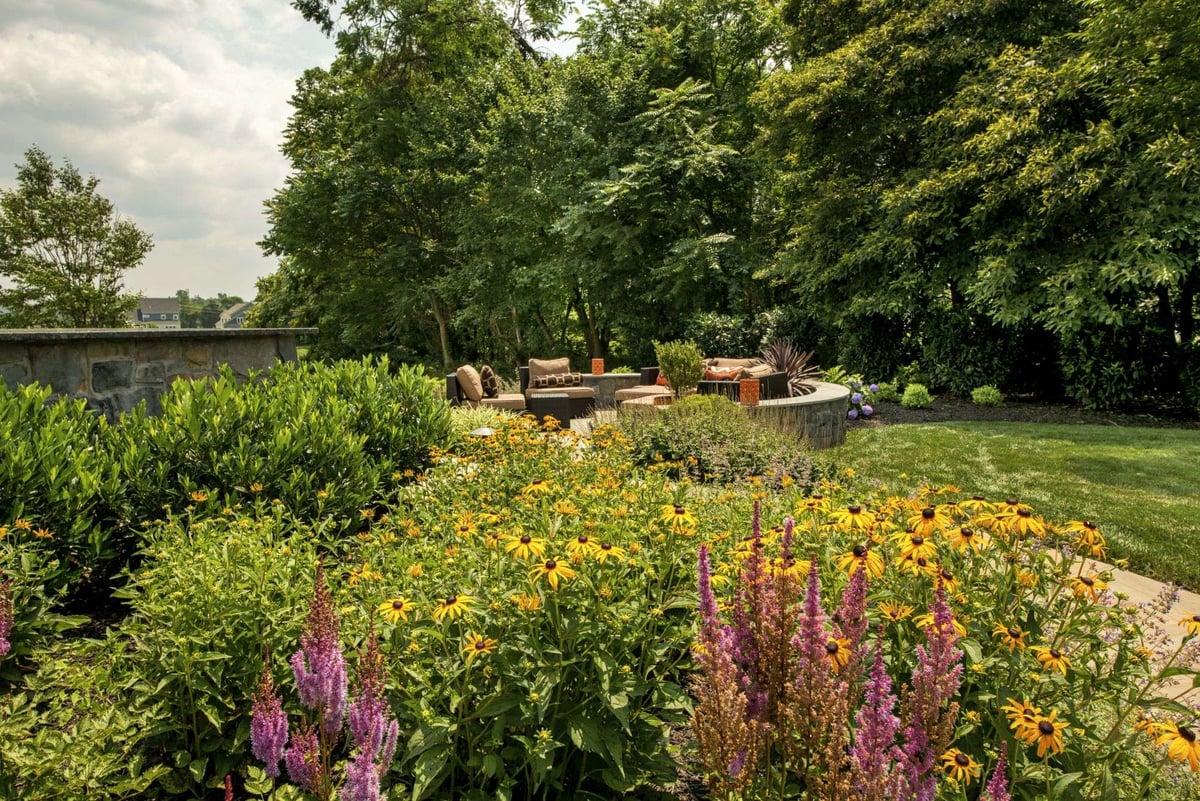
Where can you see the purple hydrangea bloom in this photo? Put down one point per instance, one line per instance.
(856, 398)
(874, 388)
(855, 385)
(852, 414)
(867, 410)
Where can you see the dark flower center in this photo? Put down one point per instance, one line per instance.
(679, 510)
(1045, 728)
(1024, 513)
(962, 760)
(1055, 654)
(831, 647)
(917, 539)
(480, 645)
(978, 498)
(582, 539)
(397, 604)
(922, 561)
(464, 528)
(818, 497)
(1014, 633)
(1089, 524)
(927, 513)
(535, 482)
(526, 539)
(947, 576)
(854, 510)
(1012, 502)
(1187, 734)
(605, 546)
(451, 601)
(1087, 581)
(860, 551)
(551, 564)
(967, 533)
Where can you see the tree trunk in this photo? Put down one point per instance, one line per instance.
(443, 324)
(588, 321)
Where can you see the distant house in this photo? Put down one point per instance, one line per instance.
(156, 313)
(234, 316)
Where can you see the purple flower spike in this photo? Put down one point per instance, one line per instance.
(708, 601)
(997, 788)
(268, 724)
(6, 616)
(852, 414)
(319, 667)
(867, 411)
(303, 759)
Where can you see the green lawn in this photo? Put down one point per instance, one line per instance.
(1140, 485)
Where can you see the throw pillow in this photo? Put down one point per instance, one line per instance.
(539, 367)
(469, 383)
(489, 381)
(718, 374)
(662, 381)
(758, 371)
(557, 380)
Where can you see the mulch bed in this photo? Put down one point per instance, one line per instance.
(948, 409)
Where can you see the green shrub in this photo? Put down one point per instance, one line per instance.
(210, 595)
(916, 396)
(726, 335)
(710, 438)
(621, 368)
(34, 593)
(987, 395)
(887, 392)
(323, 440)
(681, 363)
(910, 373)
(55, 477)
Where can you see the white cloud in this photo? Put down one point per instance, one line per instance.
(178, 109)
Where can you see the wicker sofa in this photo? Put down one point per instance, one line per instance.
(646, 391)
(771, 383)
(463, 388)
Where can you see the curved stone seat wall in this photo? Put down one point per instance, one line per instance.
(115, 369)
(819, 417)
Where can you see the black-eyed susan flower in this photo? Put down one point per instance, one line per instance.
(606, 550)
(1191, 623)
(1049, 735)
(977, 503)
(964, 538)
(861, 557)
(895, 611)
(478, 645)
(466, 526)
(582, 546)
(1023, 718)
(395, 609)
(678, 518)
(538, 486)
(1026, 522)
(929, 520)
(852, 517)
(815, 504)
(918, 565)
(960, 767)
(916, 546)
(553, 571)
(1181, 743)
(1088, 587)
(524, 546)
(527, 603)
(1011, 636)
(452, 606)
(926, 619)
(949, 581)
(1051, 658)
(1086, 532)
(838, 651)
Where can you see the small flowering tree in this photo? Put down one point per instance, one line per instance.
(319, 669)
(784, 708)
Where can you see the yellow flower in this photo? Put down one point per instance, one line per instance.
(492, 540)
(959, 767)
(256, 487)
(1023, 717)
(367, 513)
(606, 550)
(452, 607)
(1025, 522)
(565, 507)
(815, 504)
(199, 496)
(416, 570)
(22, 525)
(1088, 587)
(527, 603)
(978, 503)
(838, 651)
(554, 571)
(927, 620)
(1027, 579)
(1086, 532)
(582, 546)
(964, 538)
(861, 557)
(1011, 636)
(536, 487)
(1192, 623)
(395, 609)
(894, 610)
(852, 517)
(1049, 735)
(1051, 659)
(678, 518)
(43, 534)
(478, 644)
(525, 547)
(1181, 744)
(915, 546)
(364, 573)
(466, 526)
(929, 521)
(918, 565)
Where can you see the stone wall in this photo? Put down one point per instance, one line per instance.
(818, 418)
(115, 369)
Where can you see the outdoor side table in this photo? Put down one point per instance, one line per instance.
(554, 404)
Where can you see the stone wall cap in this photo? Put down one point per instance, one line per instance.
(69, 334)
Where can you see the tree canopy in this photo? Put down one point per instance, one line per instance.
(64, 250)
(880, 181)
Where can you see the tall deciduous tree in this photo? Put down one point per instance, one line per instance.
(64, 250)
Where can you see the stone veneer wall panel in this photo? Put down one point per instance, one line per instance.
(115, 369)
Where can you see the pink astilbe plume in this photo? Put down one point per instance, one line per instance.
(851, 618)
(372, 729)
(268, 723)
(319, 667)
(6, 616)
(997, 788)
(303, 759)
(873, 753)
(927, 712)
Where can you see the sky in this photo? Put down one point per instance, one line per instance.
(177, 106)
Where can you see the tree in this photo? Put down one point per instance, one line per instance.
(64, 250)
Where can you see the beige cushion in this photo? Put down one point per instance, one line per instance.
(570, 392)
(758, 371)
(541, 367)
(724, 364)
(641, 391)
(514, 402)
(469, 383)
